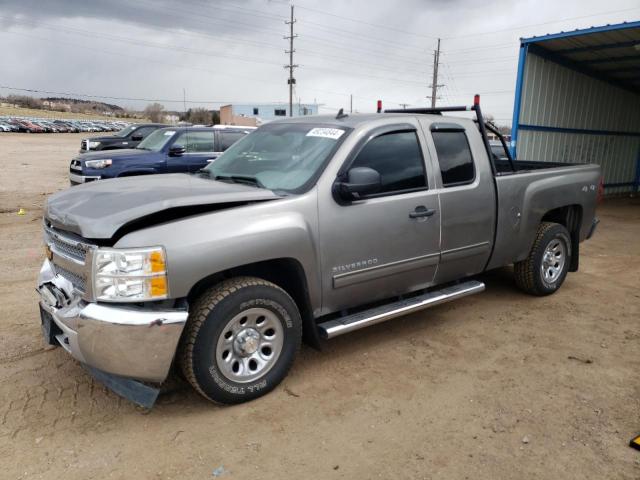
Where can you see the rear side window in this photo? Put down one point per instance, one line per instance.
(454, 157)
(397, 157)
(144, 131)
(229, 138)
(196, 142)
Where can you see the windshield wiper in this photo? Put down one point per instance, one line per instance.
(244, 179)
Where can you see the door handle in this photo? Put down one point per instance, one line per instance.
(422, 211)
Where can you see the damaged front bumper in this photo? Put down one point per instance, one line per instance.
(115, 342)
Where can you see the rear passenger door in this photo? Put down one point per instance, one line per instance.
(467, 198)
(388, 243)
(199, 151)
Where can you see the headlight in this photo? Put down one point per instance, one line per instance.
(98, 163)
(92, 144)
(130, 275)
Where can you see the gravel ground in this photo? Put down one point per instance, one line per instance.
(497, 385)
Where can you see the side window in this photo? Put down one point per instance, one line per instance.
(229, 138)
(454, 157)
(397, 157)
(196, 142)
(144, 131)
(280, 112)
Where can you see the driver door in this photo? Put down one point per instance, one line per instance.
(388, 243)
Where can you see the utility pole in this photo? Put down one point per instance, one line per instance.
(404, 105)
(291, 66)
(184, 103)
(434, 82)
(351, 103)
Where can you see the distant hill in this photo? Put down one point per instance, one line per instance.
(68, 105)
(89, 103)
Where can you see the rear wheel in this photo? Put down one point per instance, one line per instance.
(546, 267)
(241, 340)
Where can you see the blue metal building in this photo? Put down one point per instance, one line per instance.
(578, 100)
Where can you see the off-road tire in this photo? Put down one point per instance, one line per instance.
(208, 318)
(528, 275)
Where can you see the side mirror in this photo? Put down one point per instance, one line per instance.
(136, 138)
(361, 181)
(176, 150)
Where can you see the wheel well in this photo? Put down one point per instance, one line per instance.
(570, 217)
(287, 273)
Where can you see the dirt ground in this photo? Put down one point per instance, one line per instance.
(497, 385)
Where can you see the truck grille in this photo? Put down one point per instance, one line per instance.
(71, 256)
(72, 250)
(78, 282)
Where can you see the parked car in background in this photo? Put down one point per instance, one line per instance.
(30, 127)
(166, 150)
(128, 137)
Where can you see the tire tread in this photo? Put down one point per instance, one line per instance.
(526, 270)
(203, 306)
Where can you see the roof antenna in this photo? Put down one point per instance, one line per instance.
(341, 114)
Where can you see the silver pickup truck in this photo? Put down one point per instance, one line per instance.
(307, 228)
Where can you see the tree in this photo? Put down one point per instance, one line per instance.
(199, 116)
(154, 112)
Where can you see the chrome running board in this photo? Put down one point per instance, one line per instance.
(356, 321)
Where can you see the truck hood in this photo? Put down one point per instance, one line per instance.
(114, 154)
(98, 210)
(105, 138)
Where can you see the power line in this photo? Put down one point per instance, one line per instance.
(181, 66)
(376, 25)
(107, 97)
(333, 29)
(519, 27)
(72, 30)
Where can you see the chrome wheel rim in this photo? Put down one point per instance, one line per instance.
(553, 260)
(249, 345)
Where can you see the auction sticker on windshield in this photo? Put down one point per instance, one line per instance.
(169, 132)
(333, 133)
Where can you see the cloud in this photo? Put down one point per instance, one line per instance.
(234, 51)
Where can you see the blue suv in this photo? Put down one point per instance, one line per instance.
(167, 150)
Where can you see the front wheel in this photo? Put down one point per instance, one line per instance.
(241, 340)
(544, 270)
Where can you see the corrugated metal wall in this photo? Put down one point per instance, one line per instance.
(556, 96)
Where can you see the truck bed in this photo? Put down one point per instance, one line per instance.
(534, 188)
(504, 166)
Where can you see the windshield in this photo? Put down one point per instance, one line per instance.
(125, 131)
(156, 140)
(279, 156)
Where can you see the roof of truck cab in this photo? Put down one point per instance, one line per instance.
(354, 120)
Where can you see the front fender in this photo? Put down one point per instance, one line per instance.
(205, 244)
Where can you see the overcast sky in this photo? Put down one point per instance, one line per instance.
(223, 51)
